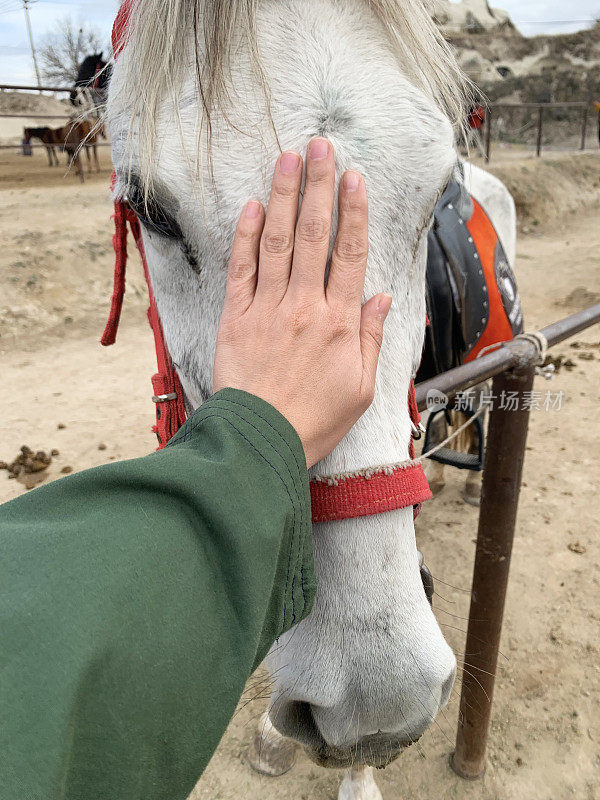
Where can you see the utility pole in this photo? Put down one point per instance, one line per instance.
(26, 4)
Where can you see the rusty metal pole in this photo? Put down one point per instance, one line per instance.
(505, 451)
(538, 147)
(488, 134)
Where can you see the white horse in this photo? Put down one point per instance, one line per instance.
(203, 97)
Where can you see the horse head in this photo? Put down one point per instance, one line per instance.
(200, 103)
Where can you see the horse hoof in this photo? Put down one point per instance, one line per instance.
(359, 784)
(471, 495)
(436, 487)
(271, 753)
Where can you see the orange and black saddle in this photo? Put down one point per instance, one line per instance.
(472, 297)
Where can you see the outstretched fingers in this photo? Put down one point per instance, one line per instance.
(243, 264)
(349, 257)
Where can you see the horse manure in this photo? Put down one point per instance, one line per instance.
(27, 462)
(576, 547)
(54, 452)
(585, 356)
(61, 426)
(101, 446)
(65, 470)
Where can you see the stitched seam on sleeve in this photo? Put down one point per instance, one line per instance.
(266, 421)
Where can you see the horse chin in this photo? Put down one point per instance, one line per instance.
(373, 751)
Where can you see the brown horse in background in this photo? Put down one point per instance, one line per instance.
(46, 136)
(70, 138)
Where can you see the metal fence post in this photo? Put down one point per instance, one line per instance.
(488, 134)
(538, 147)
(505, 451)
(584, 122)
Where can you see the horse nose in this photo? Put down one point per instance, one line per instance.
(400, 720)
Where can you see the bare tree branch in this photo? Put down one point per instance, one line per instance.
(63, 50)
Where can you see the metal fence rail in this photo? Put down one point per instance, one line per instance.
(17, 88)
(492, 109)
(512, 367)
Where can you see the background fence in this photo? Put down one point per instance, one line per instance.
(47, 118)
(560, 126)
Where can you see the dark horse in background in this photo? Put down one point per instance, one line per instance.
(92, 81)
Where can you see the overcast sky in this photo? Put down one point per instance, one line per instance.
(531, 17)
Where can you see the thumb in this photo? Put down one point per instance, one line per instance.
(372, 318)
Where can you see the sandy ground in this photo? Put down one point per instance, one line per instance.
(62, 390)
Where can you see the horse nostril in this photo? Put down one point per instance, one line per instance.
(447, 687)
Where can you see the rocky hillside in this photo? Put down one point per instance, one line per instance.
(509, 66)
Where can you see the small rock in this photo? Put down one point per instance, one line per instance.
(101, 446)
(65, 470)
(519, 761)
(576, 547)
(61, 426)
(54, 452)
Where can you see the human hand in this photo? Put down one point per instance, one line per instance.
(307, 349)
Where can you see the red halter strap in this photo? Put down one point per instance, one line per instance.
(168, 396)
(358, 495)
(381, 490)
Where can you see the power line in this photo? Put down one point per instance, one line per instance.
(553, 21)
(8, 6)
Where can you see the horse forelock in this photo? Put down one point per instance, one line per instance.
(161, 34)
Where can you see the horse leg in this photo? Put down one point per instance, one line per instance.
(359, 784)
(96, 157)
(79, 166)
(53, 151)
(89, 159)
(49, 154)
(270, 753)
(434, 472)
(471, 494)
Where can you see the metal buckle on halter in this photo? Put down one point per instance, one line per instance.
(162, 398)
(416, 430)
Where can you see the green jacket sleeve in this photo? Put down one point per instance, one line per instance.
(137, 598)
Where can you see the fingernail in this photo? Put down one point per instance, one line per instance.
(289, 163)
(383, 305)
(318, 149)
(252, 209)
(351, 181)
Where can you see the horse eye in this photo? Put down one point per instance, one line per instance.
(151, 214)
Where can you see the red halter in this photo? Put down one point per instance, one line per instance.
(345, 497)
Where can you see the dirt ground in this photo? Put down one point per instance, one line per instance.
(62, 390)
